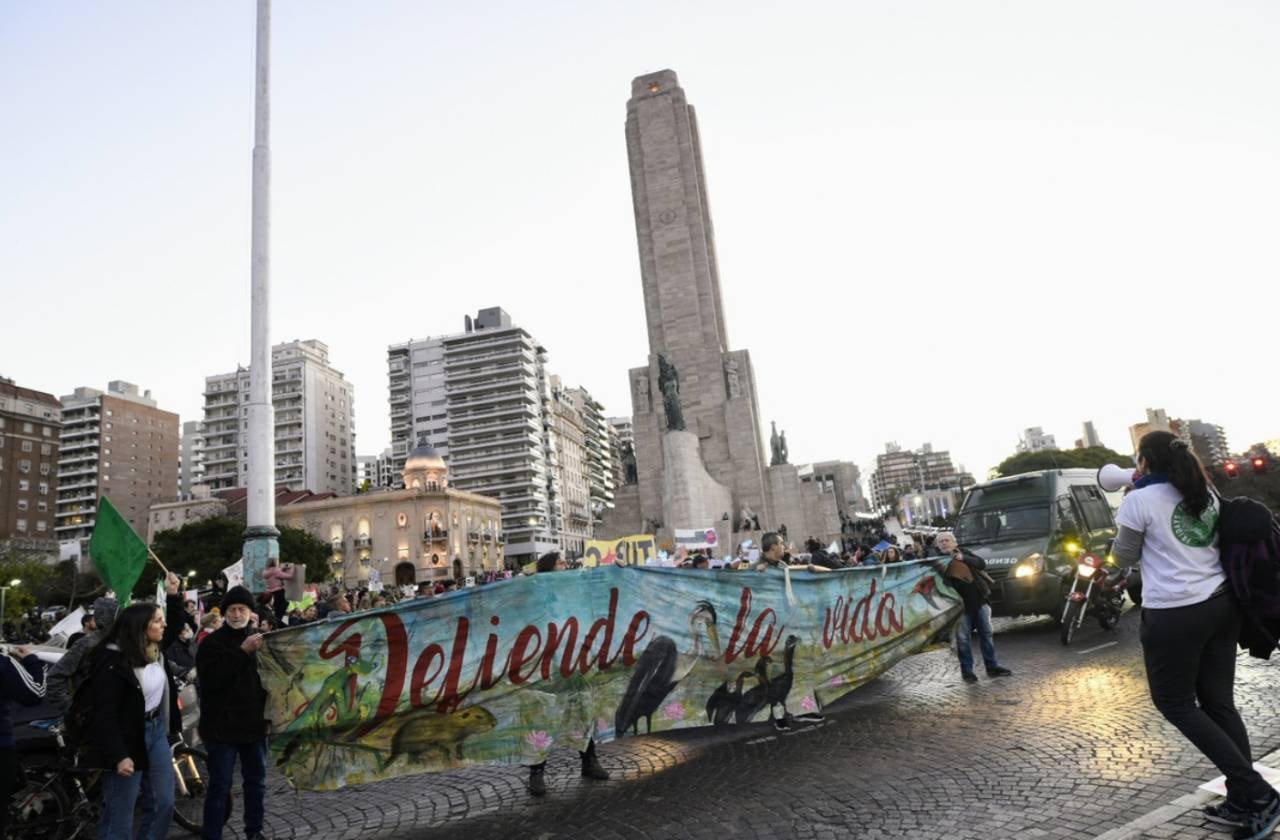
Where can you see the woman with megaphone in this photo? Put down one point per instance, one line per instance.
(1190, 622)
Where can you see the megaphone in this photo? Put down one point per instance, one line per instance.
(1112, 478)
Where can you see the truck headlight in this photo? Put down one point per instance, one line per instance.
(1023, 570)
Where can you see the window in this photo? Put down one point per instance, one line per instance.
(110, 413)
(22, 504)
(24, 466)
(23, 485)
(44, 488)
(46, 449)
(40, 525)
(47, 431)
(26, 446)
(1097, 513)
(27, 428)
(42, 506)
(21, 526)
(44, 469)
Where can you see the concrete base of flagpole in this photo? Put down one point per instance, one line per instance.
(261, 546)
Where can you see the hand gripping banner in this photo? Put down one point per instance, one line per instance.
(505, 673)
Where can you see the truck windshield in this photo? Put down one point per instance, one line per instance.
(987, 525)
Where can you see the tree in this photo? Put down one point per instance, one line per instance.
(1090, 457)
(210, 545)
(1264, 487)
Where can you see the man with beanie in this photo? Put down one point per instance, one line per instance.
(232, 715)
(965, 573)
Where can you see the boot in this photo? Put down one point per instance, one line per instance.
(591, 768)
(537, 784)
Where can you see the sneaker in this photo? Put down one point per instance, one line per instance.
(1260, 823)
(1225, 813)
(969, 676)
(537, 784)
(809, 717)
(781, 725)
(999, 672)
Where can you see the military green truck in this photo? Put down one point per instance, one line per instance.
(1030, 528)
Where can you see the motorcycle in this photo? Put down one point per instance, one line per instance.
(1100, 588)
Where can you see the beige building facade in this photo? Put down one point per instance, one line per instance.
(426, 532)
(30, 428)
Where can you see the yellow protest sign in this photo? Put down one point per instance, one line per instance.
(635, 550)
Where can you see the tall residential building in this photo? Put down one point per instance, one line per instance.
(601, 469)
(1157, 421)
(375, 469)
(1091, 438)
(191, 467)
(1208, 441)
(569, 428)
(482, 400)
(1035, 440)
(899, 472)
(315, 435)
(30, 429)
(117, 444)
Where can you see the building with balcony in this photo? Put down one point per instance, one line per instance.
(117, 444)
(376, 470)
(1035, 440)
(191, 457)
(900, 472)
(482, 400)
(569, 426)
(426, 532)
(1208, 441)
(30, 433)
(314, 422)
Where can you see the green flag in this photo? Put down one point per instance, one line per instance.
(118, 553)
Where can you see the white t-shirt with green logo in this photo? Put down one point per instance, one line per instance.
(1180, 564)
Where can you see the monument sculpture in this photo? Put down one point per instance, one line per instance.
(777, 443)
(669, 384)
(629, 475)
(703, 455)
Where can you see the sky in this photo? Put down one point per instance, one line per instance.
(936, 222)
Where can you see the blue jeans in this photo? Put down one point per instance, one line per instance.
(155, 784)
(964, 648)
(222, 765)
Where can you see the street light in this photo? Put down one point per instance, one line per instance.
(4, 590)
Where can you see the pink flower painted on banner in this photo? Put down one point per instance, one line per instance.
(673, 711)
(808, 703)
(602, 725)
(837, 680)
(539, 740)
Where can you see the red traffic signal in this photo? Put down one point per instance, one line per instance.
(1259, 464)
(1231, 469)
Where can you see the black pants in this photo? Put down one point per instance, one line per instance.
(1190, 653)
(8, 783)
(280, 606)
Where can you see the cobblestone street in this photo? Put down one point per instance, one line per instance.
(1068, 747)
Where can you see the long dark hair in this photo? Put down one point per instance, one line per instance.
(130, 635)
(1169, 455)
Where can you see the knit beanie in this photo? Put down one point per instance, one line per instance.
(238, 595)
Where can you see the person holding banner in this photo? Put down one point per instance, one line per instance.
(553, 561)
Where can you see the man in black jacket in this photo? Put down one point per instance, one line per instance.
(965, 573)
(232, 719)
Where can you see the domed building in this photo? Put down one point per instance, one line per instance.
(426, 532)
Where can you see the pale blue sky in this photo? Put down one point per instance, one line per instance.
(936, 221)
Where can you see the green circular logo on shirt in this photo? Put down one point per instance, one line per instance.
(1195, 531)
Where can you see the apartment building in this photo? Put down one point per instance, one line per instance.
(30, 432)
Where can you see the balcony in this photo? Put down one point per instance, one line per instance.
(364, 541)
(66, 462)
(69, 433)
(437, 535)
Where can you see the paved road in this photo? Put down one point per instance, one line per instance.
(1068, 747)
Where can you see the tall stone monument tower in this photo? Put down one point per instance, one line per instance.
(696, 421)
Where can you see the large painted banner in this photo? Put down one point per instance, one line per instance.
(506, 672)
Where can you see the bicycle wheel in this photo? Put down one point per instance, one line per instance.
(40, 809)
(191, 772)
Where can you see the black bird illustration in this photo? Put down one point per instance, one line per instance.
(755, 699)
(723, 702)
(661, 668)
(780, 686)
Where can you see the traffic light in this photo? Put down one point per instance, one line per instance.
(1231, 469)
(1259, 465)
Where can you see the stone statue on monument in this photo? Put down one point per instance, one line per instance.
(777, 443)
(669, 384)
(629, 473)
(732, 383)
